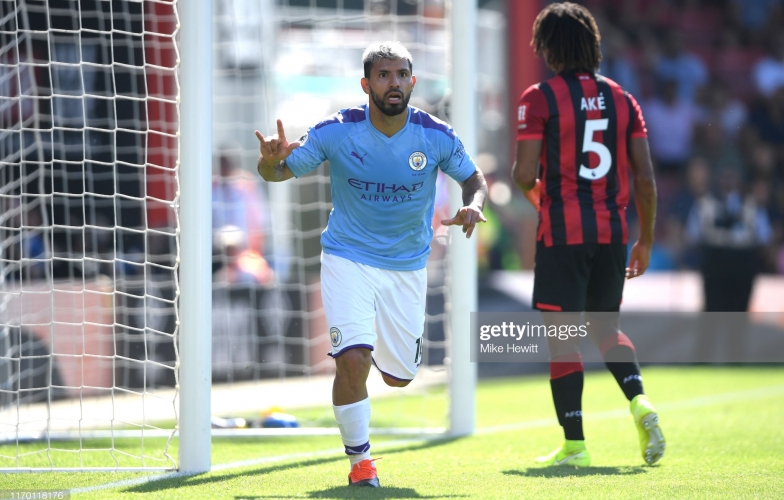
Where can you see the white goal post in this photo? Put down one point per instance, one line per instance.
(463, 268)
(195, 373)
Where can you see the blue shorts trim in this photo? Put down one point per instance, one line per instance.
(348, 348)
(390, 375)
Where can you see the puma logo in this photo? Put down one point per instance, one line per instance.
(360, 158)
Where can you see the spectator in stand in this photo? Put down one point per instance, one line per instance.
(715, 146)
(697, 186)
(769, 71)
(684, 67)
(237, 200)
(723, 110)
(240, 220)
(752, 14)
(762, 193)
(768, 121)
(732, 64)
(731, 229)
(239, 263)
(616, 63)
(670, 123)
(762, 160)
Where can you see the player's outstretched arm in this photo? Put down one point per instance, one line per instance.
(526, 168)
(645, 197)
(474, 195)
(274, 151)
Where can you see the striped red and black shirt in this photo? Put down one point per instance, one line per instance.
(586, 122)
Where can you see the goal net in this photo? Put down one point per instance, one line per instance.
(88, 233)
(89, 224)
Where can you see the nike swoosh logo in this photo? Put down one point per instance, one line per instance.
(561, 462)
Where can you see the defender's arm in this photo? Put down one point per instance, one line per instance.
(526, 168)
(645, 198)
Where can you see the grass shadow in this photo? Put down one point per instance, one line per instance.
(203, 479)
(383, 492)
(351, 492)
(555, 471)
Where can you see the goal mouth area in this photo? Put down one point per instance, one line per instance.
(307, 398)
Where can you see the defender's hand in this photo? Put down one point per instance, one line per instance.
(534, 195)
(639, 258)
(276, 148)
(467, 217)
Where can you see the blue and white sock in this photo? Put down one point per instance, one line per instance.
(354, 423)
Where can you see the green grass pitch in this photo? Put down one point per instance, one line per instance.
(724, 428)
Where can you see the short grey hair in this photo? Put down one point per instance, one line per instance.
(385, 50)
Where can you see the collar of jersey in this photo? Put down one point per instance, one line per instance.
(379, 133)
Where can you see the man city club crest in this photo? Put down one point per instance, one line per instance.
(417, 160)
(335, 336)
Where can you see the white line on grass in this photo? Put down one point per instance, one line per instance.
(240, 464)
(729, 397)
(128, 482)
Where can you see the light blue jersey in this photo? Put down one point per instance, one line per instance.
(383, 188)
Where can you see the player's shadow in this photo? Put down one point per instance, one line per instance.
(561, 471)
(383, 492)
(351, 492)
(204, 479)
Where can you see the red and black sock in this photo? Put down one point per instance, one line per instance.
(566, 382)
(621, 359)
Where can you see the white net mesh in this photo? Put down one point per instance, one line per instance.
(88, 158)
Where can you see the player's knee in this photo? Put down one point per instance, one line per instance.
(616, 347)
(354, 362)
(394, 382)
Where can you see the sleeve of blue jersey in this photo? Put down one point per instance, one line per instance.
(457, 163)
(308, 156)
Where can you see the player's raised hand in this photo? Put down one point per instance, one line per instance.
(639, 258)
(467, 217)
(276, 148)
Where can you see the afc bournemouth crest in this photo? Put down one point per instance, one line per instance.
(417, 160)
(335, 336)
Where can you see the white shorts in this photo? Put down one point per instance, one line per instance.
(376, 308)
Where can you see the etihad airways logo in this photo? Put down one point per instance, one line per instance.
(380, 187)
(382, 192)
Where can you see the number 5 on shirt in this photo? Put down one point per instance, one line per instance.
(589, 145)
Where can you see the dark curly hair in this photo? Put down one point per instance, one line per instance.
(566, 35)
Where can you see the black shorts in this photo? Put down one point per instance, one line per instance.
(576, 278)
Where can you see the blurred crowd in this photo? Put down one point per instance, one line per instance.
(709, 76)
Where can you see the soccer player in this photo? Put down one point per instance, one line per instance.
(384, 159)
(578, 136)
